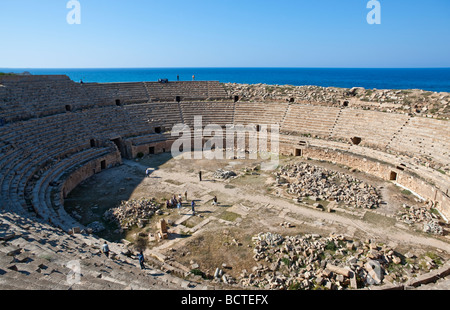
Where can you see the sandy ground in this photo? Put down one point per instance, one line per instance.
(247, 206)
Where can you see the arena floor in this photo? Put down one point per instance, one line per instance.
(248, 205)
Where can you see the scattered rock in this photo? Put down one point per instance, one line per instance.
(223, 174)
(96, 227)
(317, 183)
(333, 262)
(133, 212)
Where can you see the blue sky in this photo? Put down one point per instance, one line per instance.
(224, 33)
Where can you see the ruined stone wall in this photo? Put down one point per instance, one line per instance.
(378, 169)
(160, 147)
(88, 170)
(426, 190)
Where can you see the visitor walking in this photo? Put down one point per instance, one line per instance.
(200, 175)
(105, 249)
(148, 172)
(193, 207)
(141, 260)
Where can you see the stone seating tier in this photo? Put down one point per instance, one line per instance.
(310, 120)
(259, 113)
(37, 256)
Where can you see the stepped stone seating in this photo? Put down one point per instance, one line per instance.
(145, 117)
(38, 96)
(38, 151)
(425, 137)
(127, 93)
(186, 91)
(38, 148)
(106, 123)
(220, 113)
(43, 201)
(310, 120)
(260, 113)
(374, 128)
(36, 256)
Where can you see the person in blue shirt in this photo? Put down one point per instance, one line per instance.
(193, 207)
(141, 259)
(179, 207)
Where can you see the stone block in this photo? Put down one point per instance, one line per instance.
(396, 260)
(319, 280)
(76, 230)
(338, 270)
(353, 281)
(375, 270)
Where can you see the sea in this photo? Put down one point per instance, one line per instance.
(431, 79)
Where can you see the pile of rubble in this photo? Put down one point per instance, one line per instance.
(133, 212)
(96, 227)
(433, 227)
(317, 183)
(223, 174)
(421, 215)
(334, 262)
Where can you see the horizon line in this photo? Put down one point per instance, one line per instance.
(97, 68)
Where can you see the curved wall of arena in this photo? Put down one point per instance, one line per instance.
(379, 169)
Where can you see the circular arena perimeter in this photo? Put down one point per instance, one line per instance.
(74, 157)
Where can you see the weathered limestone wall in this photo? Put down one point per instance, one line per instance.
(427, 191)
(160, 147)
(88, 170)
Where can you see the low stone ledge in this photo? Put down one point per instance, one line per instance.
(430, 277)
(388, 287)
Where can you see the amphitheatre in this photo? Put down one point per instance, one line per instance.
(360, 199)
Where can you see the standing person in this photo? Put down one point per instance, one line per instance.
(105, 249)
(193, 207)
(141, 259)
(214, 203)
(178, 77)
(193, 77)
(174, 201)
(185, 196)
(200, 175)
(179, 207)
